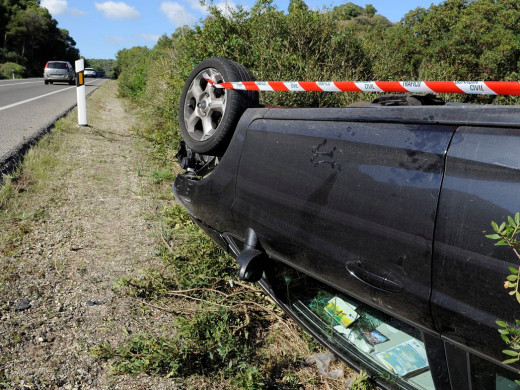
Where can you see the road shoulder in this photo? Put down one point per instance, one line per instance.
(73, 229)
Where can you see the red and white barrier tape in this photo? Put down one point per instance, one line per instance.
(461, 87)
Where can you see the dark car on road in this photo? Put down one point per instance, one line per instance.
(59, 71)
(366, 223)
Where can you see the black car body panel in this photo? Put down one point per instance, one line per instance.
(352, 212)
(211, 200)
(481, 184)
(388, 205)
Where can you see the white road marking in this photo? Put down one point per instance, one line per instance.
(25, 82)
(38, 97)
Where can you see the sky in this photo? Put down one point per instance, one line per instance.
(102, 28)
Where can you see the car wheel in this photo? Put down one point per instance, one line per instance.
(207, 115)
(46, 82)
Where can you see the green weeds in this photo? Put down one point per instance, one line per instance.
(230, 335)
(163, 174)
(141, 353)
(361, 382)
(4, 380)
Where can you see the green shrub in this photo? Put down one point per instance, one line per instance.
(133, 78)
(217, 339)
(508, 234)
(6, 70)
(141, 353)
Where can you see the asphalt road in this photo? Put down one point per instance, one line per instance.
(28, 108)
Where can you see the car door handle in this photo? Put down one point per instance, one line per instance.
(362, 272)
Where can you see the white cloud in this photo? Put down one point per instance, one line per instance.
(55, 7)
(76, 12)
(197, 6)
(177, 14)
(59, 7)
(117, 10)
(225, 7)
(148, 37)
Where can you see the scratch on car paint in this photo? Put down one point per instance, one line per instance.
(318, 156)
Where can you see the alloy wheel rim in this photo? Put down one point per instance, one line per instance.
(204, 106)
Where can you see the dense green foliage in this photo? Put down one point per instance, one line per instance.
(133, 80)
(7, 68)
(455, 40)
(30, 37)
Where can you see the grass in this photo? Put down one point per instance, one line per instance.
(30, 181)
(40, 163)
(212, 335)
(234, 336)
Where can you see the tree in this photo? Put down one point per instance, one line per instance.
(370, 10)
(297, 6)
(465, 40)
(181, 31)
(4, 18)
(455, 40)
(27, 28)
(30, 36)
(348, 11)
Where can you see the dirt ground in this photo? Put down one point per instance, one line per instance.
(75, 236)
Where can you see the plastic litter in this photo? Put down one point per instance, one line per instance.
(323, 360)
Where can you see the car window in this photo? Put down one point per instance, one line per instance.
(486, 375)
(57, 65)
(380, 343)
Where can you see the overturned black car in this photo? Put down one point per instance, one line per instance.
(366, 223)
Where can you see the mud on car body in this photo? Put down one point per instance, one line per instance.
(364, 223)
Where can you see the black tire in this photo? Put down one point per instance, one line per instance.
(208, 116)
(46, 82)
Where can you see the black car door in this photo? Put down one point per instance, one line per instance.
(481, 184)
(351, 202)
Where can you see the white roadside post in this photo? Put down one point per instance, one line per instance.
(80, 92)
